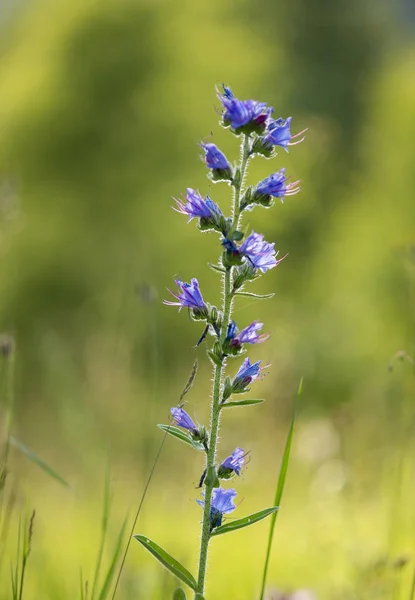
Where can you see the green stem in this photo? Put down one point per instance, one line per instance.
(217, 383)
(244, 162)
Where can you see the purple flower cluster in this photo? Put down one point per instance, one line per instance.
(247, 373)
(243, 259)
(221, 504)
(195, 206)
(189, 296)
(276, 185)
(232, 464)
(234, 339)
(260, 253)
(279, 134)
(239, 113)
(214, 158)
(182, 419)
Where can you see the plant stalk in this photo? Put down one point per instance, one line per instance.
(217, 380)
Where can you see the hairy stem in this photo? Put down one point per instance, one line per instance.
(217, 382)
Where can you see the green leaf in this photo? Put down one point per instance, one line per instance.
(38, 461)
(246, 402)
(199, 597)
(215, 358)
(237, 236)
(182, 436)
(212, 477)
(217, 268)
(179, 594)
(245, 522)
(168, 561)
(278, 493)
(257, 296)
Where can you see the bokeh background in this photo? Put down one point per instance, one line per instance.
(102, 105)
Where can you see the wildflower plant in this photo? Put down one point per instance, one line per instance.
(242, 260)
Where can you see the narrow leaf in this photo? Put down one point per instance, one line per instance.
(179, 594)
(168, 561)
(278, 493)
(245, 522)
(214, 358)
(38, 461)
(217, 268)
(111, 569)
(257, 296)
(246, 402)
(182, 436)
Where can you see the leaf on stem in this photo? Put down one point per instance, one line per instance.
(245, 522)
(257, 296)
(246, 402)
(168, 561)
(217, 268)
(182, 436)
(179, 594)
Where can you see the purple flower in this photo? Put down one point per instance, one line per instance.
(234, 340)
(221, 504)
(197, 206)
(189, 296)
(279, 133)
(260, 254)
(182, 419)
(214, 158)
(276, 185)
(247, 373)
(232, 464)
(238, 113)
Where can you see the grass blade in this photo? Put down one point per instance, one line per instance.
(412, 593)
(245, 522)
(278, 493)
(104, 529)
(179, 594)
(37, 461)
(168, 561)
(81, 584)
(111, 570)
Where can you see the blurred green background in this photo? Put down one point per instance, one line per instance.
(102, 105)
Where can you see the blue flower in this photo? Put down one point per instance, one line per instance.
(249, 335)
(238, 113)
(221, 504)
(182, 419)
(189, 296)
(214, 158)
(276, 185)
(247, 373)
(260, 253)
(232, 464)
(279, 134)
(197, 206)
